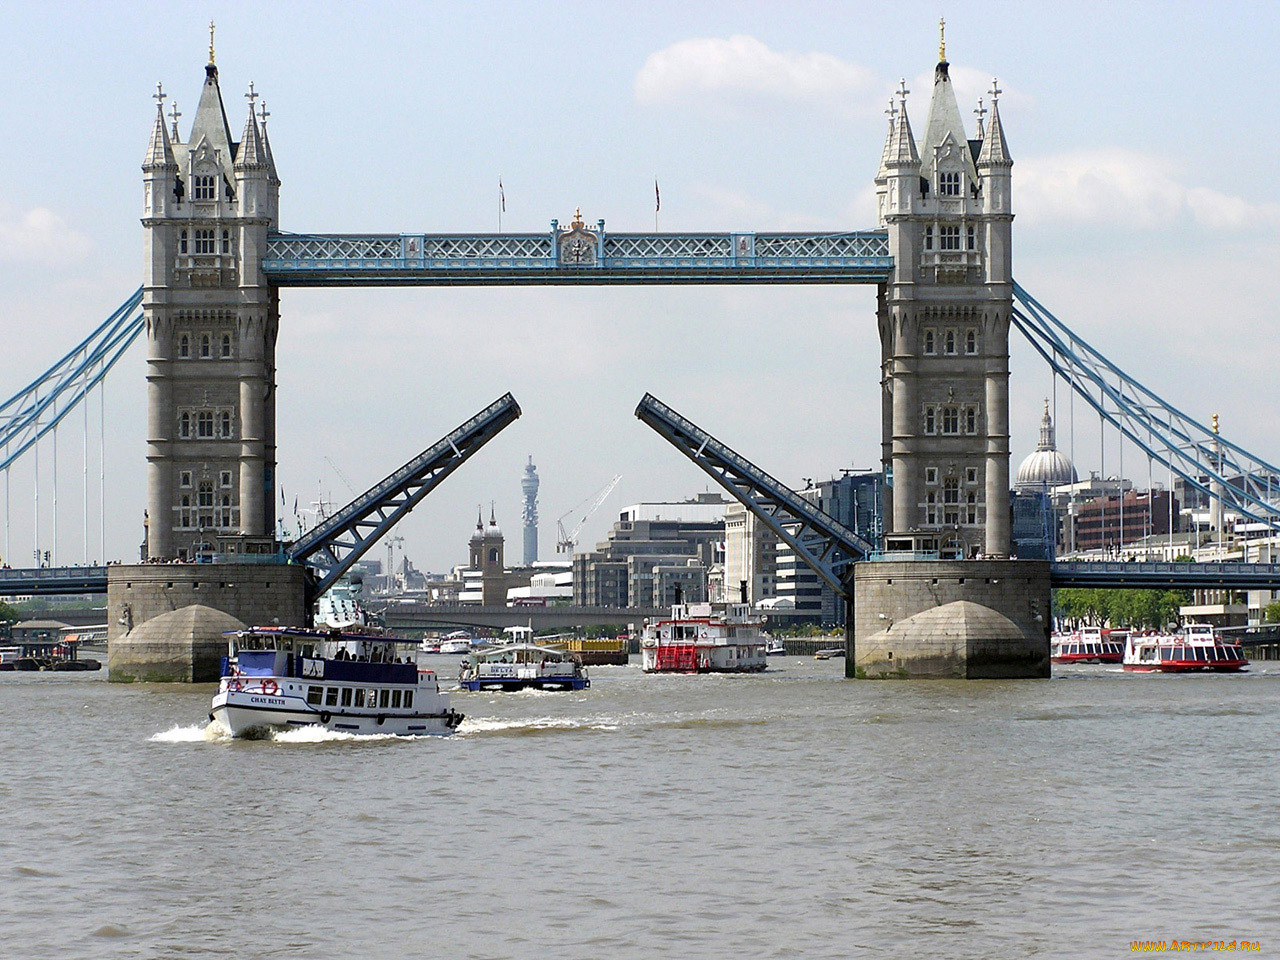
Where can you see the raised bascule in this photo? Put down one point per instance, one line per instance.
(940, 596)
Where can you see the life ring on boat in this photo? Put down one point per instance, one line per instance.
(325, 716)
(235, 686)
(270, 688)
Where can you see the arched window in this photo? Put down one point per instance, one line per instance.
(184, 346)
(930, 419)
(226, 240)
(971, 420)
(206, 346)
(972, 238)
(949, 184)
(930, 346)
(971, 341)
(928, 238)
(949, 343)
(950, 420)
(182, 242)
(224, 424)
(226, 346)
(184, 427)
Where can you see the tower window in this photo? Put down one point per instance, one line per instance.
(931, 508)
(930, 475)
(204, 188)
(949, 237)
(224, 424)
(971, 511)
(950, 421)
(928, 238)
(930, 420)
(226, 346)
(206, 346)
(182, 242)
(184, 478)
(184, 346)
(949, 184)
(493, 556)
(971, 238)
(205, 496)
(226, 240)
(971, 475)
(930, 346)
(204, 242)
(225, 478)
(949, 343)
(184, 431)
(971, 341)
(971, 420)
(204, 429)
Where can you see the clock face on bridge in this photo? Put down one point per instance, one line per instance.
(578, 249)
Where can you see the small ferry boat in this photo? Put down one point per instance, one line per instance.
(1197, 648)
(701, 639)
(515, 666)
(774, 648)
(456, 642)
(1089, 645)
(283, 677)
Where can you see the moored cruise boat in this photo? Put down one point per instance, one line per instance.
(515, 666)
(700, 639)
(1089, 645)
(1197, 648)
(283, 677)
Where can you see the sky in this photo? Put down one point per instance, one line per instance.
(1147, 218)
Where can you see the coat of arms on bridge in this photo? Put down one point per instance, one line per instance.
(578, 245)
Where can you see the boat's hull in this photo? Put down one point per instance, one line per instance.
(522, 683)
(1190, 666)
(245, 714)
(1088, 658)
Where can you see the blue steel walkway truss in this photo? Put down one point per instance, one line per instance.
(575, 257)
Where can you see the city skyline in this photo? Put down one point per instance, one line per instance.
(1134, 232)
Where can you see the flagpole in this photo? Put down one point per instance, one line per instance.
(657, 204)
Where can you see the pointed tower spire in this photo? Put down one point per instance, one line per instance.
(901, 146)
(211, 116)
(159, 147)
(263, 113)
(251, 154)
(995, 151)
(944, 118)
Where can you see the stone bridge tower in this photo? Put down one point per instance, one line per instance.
(211, 324)
(944, 329)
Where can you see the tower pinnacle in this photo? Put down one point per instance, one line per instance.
(942, 40)
(211, 60)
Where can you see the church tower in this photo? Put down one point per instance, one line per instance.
(211, 325)
(944, 328)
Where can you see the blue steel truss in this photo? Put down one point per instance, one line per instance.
(825, 545)
(576, 257)
(1193, 451)
(1165, 576)
(331, 548)
(39, 407)
(52, 581)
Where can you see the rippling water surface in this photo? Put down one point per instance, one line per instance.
(787, 814)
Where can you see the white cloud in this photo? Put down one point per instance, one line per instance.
(740, 66)
(1119, 187)
(38, 235)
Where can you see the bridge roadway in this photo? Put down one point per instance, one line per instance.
(50, 581)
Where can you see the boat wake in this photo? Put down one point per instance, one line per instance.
(491, 726)
(214, 732)
(211, 732)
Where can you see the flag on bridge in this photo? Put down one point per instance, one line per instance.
(502, 197)
(657, 197)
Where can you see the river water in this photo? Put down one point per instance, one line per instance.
(786, 814)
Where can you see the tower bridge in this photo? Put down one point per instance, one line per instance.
(940, 254)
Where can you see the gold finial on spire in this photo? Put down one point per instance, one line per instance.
(1215, 423)
(942, 40)
(211, 43)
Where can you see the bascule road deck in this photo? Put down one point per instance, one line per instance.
(560, 258)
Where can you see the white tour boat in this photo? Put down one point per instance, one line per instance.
(283, 677)
(515, 666)
(1088, 645)
(1197, 649)
(457, 642)
(700, 639)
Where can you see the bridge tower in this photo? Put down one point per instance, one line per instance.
(944, 329)
(211, 326)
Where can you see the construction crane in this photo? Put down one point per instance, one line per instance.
(565, 542)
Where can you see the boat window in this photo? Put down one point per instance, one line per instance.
(1212, 653)
(384, 698)
(331, 696)
(395, 699)
(360, 697)
(346, 696)
(408, 699)
(314, 695)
